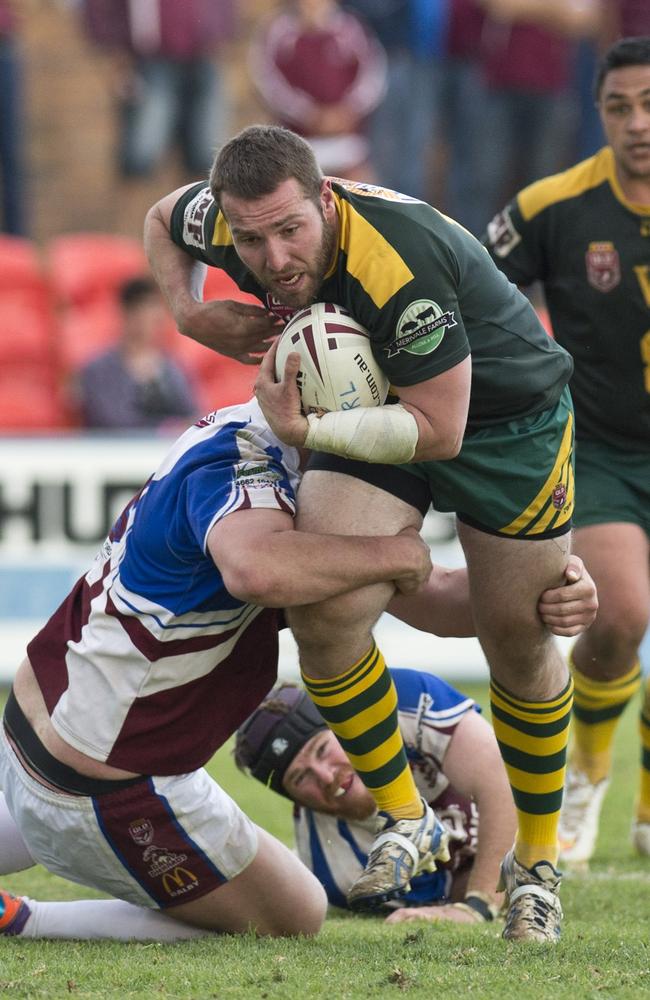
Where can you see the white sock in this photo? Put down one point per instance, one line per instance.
(14, 856)
(97, 919)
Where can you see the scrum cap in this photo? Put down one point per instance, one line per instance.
(276, 731)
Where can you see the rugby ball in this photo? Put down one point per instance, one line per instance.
(337, 367)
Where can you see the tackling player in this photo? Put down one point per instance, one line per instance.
(155, 657)
(585, 234)
(484, 427)
(456, 766)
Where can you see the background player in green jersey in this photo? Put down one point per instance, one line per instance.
(585, 234)
(484, 426)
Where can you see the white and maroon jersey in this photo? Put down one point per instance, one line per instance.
(150, 664)
(336, 850)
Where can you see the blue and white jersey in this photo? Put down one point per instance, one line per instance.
(336, 850)
(150, 664)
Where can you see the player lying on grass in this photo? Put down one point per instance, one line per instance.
(457, 768)
(157, 655)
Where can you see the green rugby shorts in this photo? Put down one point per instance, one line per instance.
(513, 479)
(612, 485)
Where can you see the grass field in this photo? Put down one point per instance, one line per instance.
(605, 950)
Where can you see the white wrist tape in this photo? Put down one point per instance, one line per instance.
(368, 434)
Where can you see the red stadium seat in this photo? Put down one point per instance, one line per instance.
(85, 331)
(86, 266)
(219, 285)
(30, 399)
(20, 264)
(27, 318)
(226, 383)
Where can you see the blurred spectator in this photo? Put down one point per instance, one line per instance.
(11, 124)
(170, 87)
(134, 384)
(405, 125)
(321, 73)
(631, 17)
(528, 54)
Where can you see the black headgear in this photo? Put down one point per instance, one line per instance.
(276, 731)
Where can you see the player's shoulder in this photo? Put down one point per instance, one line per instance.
(567, 186)
(234, 438)
(197, 222)
(381, 238)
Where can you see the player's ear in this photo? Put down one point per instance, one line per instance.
(327, 200)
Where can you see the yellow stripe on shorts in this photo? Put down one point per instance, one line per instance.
(535, 519)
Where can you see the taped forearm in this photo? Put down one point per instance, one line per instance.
(379, 434)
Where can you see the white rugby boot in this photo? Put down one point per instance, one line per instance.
(579, 817)
(641, 838)
(532, 903)
(403, 849)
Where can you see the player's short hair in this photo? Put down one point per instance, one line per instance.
(625, 52)
(254, 162)
(267, 742)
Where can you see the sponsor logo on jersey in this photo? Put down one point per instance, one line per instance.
(502, 235)
(374, 191)
(603, 266)
(558, 496)
(194, 217)
(255, 476)
(179, 882)
(163, 860)
(420, 328)
(141, 831)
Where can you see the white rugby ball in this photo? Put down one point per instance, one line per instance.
(337, 367)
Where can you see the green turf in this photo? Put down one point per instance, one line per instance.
(605, 950)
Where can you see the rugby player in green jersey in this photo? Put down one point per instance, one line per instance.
(585, 234)
(483, 427)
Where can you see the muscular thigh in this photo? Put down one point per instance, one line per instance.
(334, 503)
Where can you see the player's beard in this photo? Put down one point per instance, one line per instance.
(313, 274)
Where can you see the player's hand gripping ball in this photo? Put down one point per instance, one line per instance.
(337, 367)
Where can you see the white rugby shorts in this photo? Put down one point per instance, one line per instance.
(159, 843)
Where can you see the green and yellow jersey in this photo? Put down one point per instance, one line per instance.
(425, 289)
(590, 247)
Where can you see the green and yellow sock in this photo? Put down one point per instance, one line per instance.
(643, 801)
(360, 707)
(597, 708)
(532, 737)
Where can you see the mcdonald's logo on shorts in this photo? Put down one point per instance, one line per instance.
(179, 881)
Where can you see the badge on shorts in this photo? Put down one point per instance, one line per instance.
(141, 831)
(558, 496)
(420, 328)
(603, 266)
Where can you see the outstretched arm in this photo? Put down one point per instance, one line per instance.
(442, 605)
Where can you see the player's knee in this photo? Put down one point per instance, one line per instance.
(305, 918)
(349, 614)
(615, 639)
